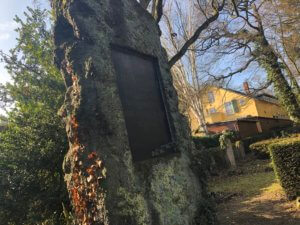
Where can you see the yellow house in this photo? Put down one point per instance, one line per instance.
(246, 113)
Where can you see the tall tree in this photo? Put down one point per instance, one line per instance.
(210, 14)
(246, 31)
(180, 21)
(33, 144)
(249, 11)
(284, 19)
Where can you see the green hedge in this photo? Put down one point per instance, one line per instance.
(260, 149)
(250, 140)
(209, 154)
(275, 133)
(207, 141)
(286, 162)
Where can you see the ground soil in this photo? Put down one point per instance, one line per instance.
(252, 196)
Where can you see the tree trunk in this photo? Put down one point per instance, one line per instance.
(269, 61)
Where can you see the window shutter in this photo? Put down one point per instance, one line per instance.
(235, 106)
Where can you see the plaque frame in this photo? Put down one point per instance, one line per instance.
(166, 149)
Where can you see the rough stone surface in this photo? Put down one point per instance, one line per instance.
(105, 186)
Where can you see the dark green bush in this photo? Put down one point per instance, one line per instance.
(286, 162)
(250, 140)
(207, 141)
(209, 154)
(260, 149)
(227, 135)
(213, 159)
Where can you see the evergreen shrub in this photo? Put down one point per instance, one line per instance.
(275, 133)
(261, 150)
(211, 141)
(209, 154)
(285, 156)
(253, 139)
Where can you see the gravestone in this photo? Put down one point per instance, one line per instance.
(230, 153)
(129, 160)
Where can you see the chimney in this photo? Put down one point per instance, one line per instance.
(246, 88)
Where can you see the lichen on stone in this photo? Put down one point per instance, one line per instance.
(158, 191)
(133, 208)
(173, 192)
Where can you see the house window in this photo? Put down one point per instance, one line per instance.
(231, 107)
(228, 108)
(212, 111)
(242, 102)
(211, 97)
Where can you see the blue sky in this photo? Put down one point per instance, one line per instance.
(8, 10)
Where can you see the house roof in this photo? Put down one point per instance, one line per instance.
(258, 97)
(267, 95)
(247, 119)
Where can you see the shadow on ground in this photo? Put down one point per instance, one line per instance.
(257, 197)
(263, 209)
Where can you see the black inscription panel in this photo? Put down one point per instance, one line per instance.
(142, 101)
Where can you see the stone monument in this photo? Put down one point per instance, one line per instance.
(129, 161)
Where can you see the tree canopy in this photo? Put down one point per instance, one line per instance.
(33, 144)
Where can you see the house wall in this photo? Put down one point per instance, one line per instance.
(218, 128)
(267, 124)
(221, 97)
(248, 128)
(247, 107)
(245, 128)
(269, 110)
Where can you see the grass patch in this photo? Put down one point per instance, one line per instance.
(246, 185)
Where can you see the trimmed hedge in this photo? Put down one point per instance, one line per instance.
(286, 162)
(250, 140)
(260, 149)
(275, 133)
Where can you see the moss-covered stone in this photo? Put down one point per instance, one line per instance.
(159, 191)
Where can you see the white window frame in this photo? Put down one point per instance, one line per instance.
(229, 104)
(210, 97)
(242, 102)
(212, 111)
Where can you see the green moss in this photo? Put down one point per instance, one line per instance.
(173, 191)
(168, 192)
(133, 208)
(269, 61)
(206, 213)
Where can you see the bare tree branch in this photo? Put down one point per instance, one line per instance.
(14, 61)
(157, 10)
(231, 74)
(196, 35)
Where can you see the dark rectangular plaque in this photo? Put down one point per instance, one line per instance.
(142, 100)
